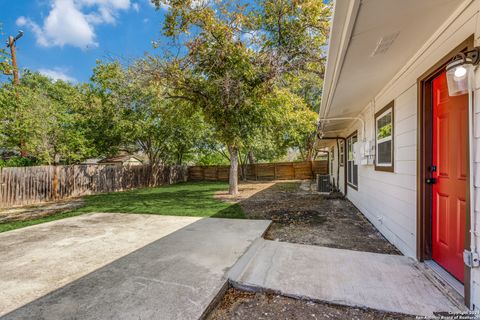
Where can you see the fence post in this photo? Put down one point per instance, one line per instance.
(311, 169)
(55, 183)
(1, 187)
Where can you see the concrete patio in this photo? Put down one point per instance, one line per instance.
(119, 266)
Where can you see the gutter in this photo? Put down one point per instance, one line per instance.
(338, 52)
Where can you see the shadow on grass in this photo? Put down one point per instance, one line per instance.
(185, 199)
(237, 210)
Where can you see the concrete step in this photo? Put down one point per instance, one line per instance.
(390, 283)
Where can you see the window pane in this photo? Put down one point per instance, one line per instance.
(350, 143)
(342, 153)
(349, 149)
(349, 171)
(355, 175)
(385, 152)
(384, 126)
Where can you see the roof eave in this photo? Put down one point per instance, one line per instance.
(343, 22)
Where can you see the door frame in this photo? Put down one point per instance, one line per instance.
(424, 160)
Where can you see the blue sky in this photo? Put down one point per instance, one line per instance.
(64, 38)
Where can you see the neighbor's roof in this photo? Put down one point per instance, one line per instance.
(370, 42)
(121, 158)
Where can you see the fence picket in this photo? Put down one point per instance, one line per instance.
(262, 171)
(32, 185)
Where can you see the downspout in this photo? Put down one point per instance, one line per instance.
(338, 163)
(473, 220)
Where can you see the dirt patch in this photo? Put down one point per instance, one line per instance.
(38, 211)
(241, 305)
(310, 218)
(245, 191)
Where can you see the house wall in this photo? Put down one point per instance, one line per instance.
(388, 200)
(337, 175)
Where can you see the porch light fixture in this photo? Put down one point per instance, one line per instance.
(460, 72)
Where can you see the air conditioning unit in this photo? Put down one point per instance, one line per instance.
(323, 183)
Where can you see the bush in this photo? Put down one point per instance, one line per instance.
(18, 161)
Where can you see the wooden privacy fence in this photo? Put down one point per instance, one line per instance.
(262, 171)
(30, 185)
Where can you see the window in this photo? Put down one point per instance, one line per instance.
(342, 152)
(384, 139)
(352, 168)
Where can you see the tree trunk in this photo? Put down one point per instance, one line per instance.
(310, 148)
(233, 176)
(251, 158)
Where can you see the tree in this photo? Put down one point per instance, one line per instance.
(41, 116)
(164, 131)
(104, 110)
(288, 123)
(235, 55)
(5, 67)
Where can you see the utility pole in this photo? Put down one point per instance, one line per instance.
(16, 80)
(11, 44)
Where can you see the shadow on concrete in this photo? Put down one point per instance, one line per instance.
(175, 277)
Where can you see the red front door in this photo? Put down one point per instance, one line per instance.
(450, 146)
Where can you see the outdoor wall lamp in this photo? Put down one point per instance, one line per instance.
(460, 72)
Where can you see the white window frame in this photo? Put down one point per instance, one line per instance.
(350, 168)
(341, 152)
(389, 109)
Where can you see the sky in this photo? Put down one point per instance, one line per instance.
(64, 38)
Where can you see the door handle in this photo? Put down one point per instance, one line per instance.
(430, 181)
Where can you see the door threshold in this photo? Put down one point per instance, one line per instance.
(446, 276)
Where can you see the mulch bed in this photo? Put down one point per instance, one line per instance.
(313, 219)
(241, 305)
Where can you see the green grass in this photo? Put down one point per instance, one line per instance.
(183, 199)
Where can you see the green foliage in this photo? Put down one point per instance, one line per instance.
(385, 131)
(254, 71)
(166, 131)
(41, 118)
(104, 109)
(290, 123)
(18, 162)
(5, 66)
(384, 126)
(247, 81)
(209, 158)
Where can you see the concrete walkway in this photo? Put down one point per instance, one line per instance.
(385, 282)
(174, 277)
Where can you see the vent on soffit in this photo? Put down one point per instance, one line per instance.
(385, 43)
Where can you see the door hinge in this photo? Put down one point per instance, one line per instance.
(471, 259)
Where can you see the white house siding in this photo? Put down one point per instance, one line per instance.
(388, 200)
(341, 173)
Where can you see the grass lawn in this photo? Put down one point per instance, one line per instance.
(183, 199)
